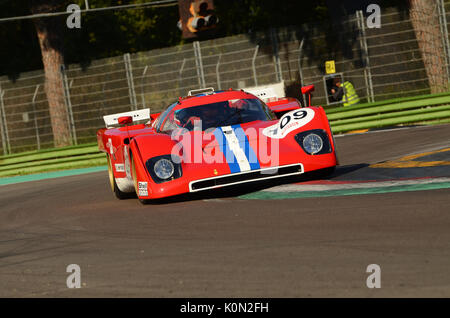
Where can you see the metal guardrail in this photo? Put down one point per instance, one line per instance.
(400, 113)
(81, 156)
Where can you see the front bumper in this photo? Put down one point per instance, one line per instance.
(245, 177)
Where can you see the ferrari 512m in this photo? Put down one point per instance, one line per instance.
(213, 139)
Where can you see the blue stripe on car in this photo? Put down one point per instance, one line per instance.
(229, 155)
(243, 141)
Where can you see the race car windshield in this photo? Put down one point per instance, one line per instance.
(218, 114)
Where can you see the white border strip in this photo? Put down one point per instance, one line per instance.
(354, 185)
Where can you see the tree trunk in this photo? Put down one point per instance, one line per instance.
(50, 40)
(425, 20)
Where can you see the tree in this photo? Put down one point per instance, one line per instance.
(242, 16)
(50, 40)
(112, 33)
(20, 48)
(425, 20)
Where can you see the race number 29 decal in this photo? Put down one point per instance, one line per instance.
(289, 122)
(297, 115)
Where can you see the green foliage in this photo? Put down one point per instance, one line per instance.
(243, 16)
(19, 45)
(111, 33)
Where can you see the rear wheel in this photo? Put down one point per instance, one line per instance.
(112, 181)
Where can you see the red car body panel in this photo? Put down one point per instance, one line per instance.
(139, 143)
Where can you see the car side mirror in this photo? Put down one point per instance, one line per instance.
(125, 120)
(308, 90)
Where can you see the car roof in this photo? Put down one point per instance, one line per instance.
(202, 99)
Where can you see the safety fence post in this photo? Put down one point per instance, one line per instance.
(300, 71)
(36, 127)
(219, 85)
(129, 74)
(180, 76)
(68, 102)
(365, 55)
(276, 56)
(199, 64)
(254, 65)
(142, 86)
(444, 32)
(3, 125)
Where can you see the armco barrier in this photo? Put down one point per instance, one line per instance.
(406, 111)
(85, 163)
(48, 162)
(81, 156)
(359, 112)
(386, 102)
(48, 154)
(381, 115)
(391, 121)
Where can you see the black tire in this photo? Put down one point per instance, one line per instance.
(119, 194)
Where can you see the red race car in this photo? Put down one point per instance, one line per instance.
(214, 139)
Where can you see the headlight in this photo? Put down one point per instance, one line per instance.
(164, 168)
(312, 143)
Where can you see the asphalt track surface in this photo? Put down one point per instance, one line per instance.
(225, 246)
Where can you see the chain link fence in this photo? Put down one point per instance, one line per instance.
(381, 63)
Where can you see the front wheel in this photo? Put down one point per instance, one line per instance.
(112, 181)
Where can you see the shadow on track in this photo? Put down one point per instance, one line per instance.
(242, 189)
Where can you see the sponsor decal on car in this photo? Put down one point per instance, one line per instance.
(142, 187)
(120, 167)
(289, 122)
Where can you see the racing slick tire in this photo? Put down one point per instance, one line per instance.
(112, 181)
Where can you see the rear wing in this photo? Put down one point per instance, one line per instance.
(268, 92)
(275, 97)
(137, 115)
(207, 90)
(284, 105)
